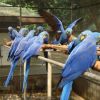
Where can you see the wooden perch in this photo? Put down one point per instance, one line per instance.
(62, 48)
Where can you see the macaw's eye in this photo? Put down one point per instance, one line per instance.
(68, 33)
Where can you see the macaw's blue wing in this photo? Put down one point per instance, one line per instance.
(74, 23)
(26, 74)
(13, 47)
(12, 68)
(30, 34)
(23, 43)
(59, 24)
(66, 91)
(63, 39)
(30, 42)
(72, 45)
(33, 50)
(80, 59)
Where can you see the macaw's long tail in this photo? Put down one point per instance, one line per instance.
(26, 74)
(12, 68)
(66, 91)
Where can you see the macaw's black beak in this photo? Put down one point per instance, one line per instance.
(45, 40)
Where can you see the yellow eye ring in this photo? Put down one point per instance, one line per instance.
(82, 37)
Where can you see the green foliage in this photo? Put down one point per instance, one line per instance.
(30, 27)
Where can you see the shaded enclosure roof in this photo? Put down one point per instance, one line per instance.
(10, 16)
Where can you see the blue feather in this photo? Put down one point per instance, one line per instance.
(12, 68)
(74, 23)
(26, 74)
(59, 25)
(23, 43)
(66, 91)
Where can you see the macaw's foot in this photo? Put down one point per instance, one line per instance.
(97, 66)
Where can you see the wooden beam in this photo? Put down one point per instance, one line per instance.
(24, 19)
(33, 20)
(6, 21)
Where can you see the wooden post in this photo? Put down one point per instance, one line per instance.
(24, 75)
(49, 78)
(20, 21)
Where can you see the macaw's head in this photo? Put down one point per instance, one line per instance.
(68, 32)
(39, 29)
(84, 34)
(10, 28)
(45, 36)
(23, 31)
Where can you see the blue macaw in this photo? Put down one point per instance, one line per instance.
(15, 43)
(33, 50)
(12, 32)
(82, 57)
(15, 59)
(68, 31)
